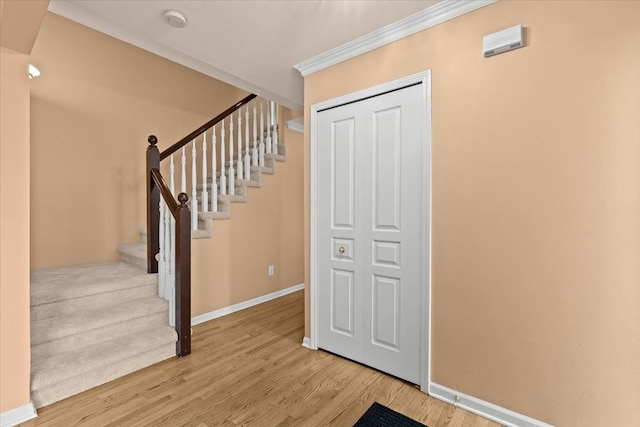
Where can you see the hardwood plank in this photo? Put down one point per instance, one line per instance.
(249, 369)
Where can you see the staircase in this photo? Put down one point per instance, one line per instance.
(91, 324)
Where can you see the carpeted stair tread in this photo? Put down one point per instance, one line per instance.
(59, 284)
(70, 364)
(62, 377)
(78, 384)
(94, 301)
(77, 341)
(88, 320)
(134, 254)
(249, 183)
(256, 183)
(213, 215)
(143, 234)
(263, 169)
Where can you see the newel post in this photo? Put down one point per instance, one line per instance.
(183, 277)
(153, 206)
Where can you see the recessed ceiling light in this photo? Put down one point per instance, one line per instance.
(175, 18)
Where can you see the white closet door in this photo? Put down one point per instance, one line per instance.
(370, 159)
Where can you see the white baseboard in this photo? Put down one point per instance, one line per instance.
(18, 415)
(306, 342)
(242, 305)
(484, 409)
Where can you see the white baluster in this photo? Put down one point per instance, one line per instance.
(239, 167)
(255, 134)
(194, 185)
(169, 234)
(275, 128)
(269, 116)
(183, 177)
(172, 180)
(205, 191)
(214, 172)
(161, 255)
(247, 167)
(261, 149)
(223, 176)
(232, 177)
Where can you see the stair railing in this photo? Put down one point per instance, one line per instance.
(181, 297)
(170, 222)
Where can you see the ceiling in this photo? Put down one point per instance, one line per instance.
(251, 44)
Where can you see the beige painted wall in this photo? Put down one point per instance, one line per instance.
(19, 24)
(92, 109)
(267, 230)
(536, 207)
(14, 229)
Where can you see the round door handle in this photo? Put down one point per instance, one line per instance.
(341, 250)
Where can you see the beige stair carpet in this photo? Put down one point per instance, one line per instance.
(91, 324)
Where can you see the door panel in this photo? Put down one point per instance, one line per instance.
(340, 322)
(370, 160)
(343, 170)
(385, 331)
(386, 168)
(342, 303)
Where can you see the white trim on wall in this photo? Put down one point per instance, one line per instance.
(306, 342)
(417, 22)
(196, 320)
(296, 124)
(13, 417)
(484, 409)
(423, 78)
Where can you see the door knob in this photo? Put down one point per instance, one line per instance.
(341, 250)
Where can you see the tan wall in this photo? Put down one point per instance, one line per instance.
(19, 24)
(536, 208)
(92, 109)
(232, 266)
(14, 228)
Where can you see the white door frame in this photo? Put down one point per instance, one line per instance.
(425, 79)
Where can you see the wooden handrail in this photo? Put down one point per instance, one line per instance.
(180, 211)
(184, 141)
(173, 205)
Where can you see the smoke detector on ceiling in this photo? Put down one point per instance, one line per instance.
(175, 18)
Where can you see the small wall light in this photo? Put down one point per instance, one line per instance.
(33, 72)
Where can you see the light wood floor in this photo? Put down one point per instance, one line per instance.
(249, 368)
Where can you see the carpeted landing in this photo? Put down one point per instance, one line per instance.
(91, 324)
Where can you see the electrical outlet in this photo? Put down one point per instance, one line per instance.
(271, 270)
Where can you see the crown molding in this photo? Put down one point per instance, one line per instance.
(296, 124)
(417, 22)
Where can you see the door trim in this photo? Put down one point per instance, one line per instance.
(423, 78)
